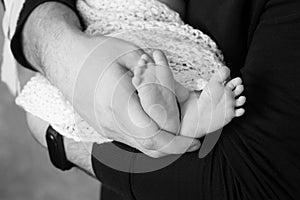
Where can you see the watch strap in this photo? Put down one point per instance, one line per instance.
(56, 150)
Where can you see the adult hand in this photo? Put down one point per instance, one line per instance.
(92, 73)
(111, 105)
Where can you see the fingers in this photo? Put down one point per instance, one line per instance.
(160, 58)
(166, 143)
(170, 144)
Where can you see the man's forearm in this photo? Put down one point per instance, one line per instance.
(47, 24)
(46, 35)
(52, 44)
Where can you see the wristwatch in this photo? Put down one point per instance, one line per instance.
(56, 149)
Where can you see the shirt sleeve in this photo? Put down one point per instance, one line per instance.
(28, 7)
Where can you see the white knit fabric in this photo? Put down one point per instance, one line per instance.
(192, 55)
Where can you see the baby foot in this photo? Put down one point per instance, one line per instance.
(216, 106)
(155, 85)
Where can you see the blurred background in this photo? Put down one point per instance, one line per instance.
(25, 170)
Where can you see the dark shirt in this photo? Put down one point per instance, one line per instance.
(257, 155)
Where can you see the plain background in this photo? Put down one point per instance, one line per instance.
(25, 170)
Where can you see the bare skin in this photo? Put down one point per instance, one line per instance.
(215, 107)
(212, 110)
(156, 88)
(55, 45)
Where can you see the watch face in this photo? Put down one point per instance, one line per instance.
(56, 150)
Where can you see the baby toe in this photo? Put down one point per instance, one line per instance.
(136, 81)
(139, 71)
(234, 83)
(160, 58)
(239, 112)
(240, 101)
(238, 90)
(145, 59)
(138, 74)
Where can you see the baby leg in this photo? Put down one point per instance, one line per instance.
(155, 84)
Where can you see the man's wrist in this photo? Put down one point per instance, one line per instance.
(80, 154)
(56, 150)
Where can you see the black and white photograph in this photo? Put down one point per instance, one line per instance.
(150, 100)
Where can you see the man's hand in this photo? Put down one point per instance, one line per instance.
(94, 74)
